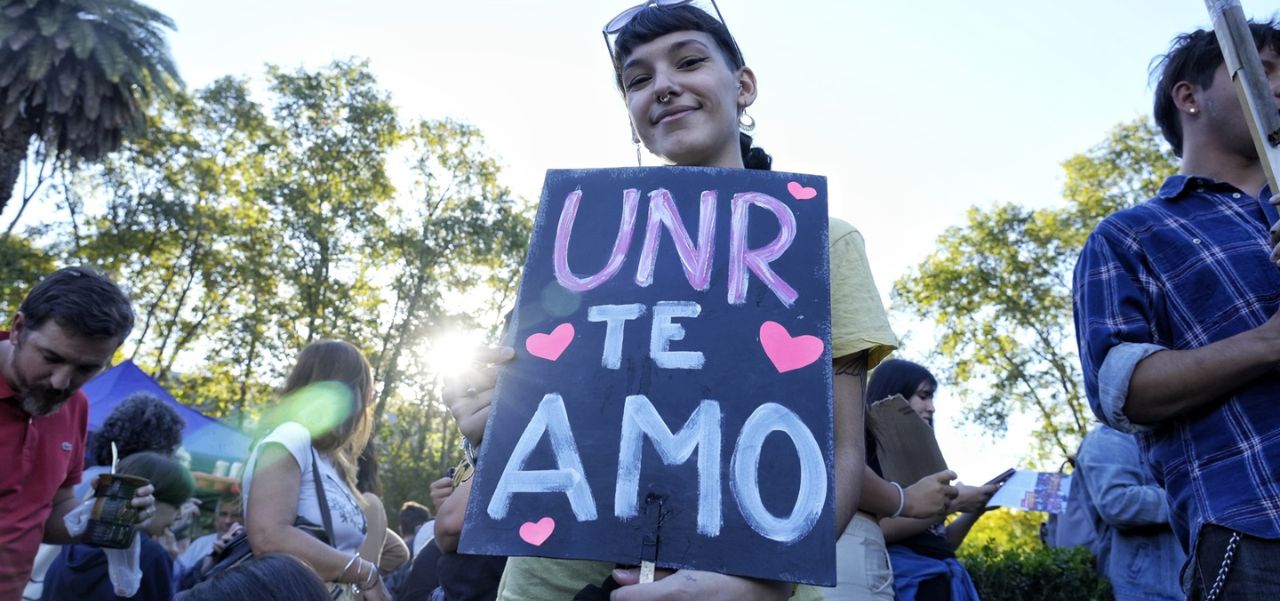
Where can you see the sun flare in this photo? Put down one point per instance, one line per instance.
(452, 353)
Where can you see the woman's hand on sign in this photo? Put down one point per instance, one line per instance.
(469, 395)
(692, 585)
(931, 497)
(973, 499)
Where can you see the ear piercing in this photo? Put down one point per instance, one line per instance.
(1193, 110)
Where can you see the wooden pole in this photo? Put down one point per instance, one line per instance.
(1240, 54)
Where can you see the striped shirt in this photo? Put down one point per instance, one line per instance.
(1185, 269)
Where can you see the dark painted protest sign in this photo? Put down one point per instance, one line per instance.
(670, 399)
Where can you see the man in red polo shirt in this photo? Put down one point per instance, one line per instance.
(64, 333)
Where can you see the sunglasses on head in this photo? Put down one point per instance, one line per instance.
(620, 22)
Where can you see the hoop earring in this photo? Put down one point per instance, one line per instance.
(746, 121)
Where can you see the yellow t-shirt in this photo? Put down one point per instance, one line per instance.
(858, 320)
(542, 579)
(858, 323)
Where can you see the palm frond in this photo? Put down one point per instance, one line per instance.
(80, 72)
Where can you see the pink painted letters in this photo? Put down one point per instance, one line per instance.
(757, 260)
(630, 202)
(696, 261)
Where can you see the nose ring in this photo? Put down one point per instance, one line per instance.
(663, 99)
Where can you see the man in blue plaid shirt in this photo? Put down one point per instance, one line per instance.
(1175, 309)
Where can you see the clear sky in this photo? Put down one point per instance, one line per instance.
(915, 111)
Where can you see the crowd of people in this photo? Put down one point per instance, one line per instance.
(1175, 306)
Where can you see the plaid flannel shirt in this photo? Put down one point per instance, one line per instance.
(1185, 269)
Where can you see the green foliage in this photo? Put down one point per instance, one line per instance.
(244, 228)
(21, 267)
(998, 291)
(1037, 573)
(1004, 529)
(77, 75)
(461, 232)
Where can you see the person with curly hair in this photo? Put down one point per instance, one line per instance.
(141, 422)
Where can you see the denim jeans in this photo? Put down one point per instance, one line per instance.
(1254, 574)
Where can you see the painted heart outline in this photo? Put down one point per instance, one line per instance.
(787, 352)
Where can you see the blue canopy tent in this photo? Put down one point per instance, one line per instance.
(207, 439)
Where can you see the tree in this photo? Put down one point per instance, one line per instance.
(21, 267)
(1005, 529)
(76, 75)
(182, 227)
(460, 234)
(998, 291)
(461, 231)
(245, 227)
(328, 190)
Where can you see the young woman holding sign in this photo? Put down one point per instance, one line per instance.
(687, 88)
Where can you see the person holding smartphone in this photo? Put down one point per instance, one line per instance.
(923, 551)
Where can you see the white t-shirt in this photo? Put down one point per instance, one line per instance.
(349, 527)
(199, 549)
(423, 535)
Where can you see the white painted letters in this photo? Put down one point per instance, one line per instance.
(664, 331)
(700, 433)
(616, 317)
(570, 478)
(744, 472)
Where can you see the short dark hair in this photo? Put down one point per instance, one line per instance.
(173, 483)
(81, 300)
(653, 22)
(141, 422)
(413, 515)
(270, 577)
(897, 376)
(1193, 57)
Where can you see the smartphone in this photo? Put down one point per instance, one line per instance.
(1005, 475)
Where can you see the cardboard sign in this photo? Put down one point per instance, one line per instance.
(670, 399)
(905, 444)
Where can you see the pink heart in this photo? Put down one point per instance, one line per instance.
(550, 346)
(788, 352)
(801, 192)
(536, 533)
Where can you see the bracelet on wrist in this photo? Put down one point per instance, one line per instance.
(902, 499)
(343, 574)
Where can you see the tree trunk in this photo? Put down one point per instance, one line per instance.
(14, 142)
